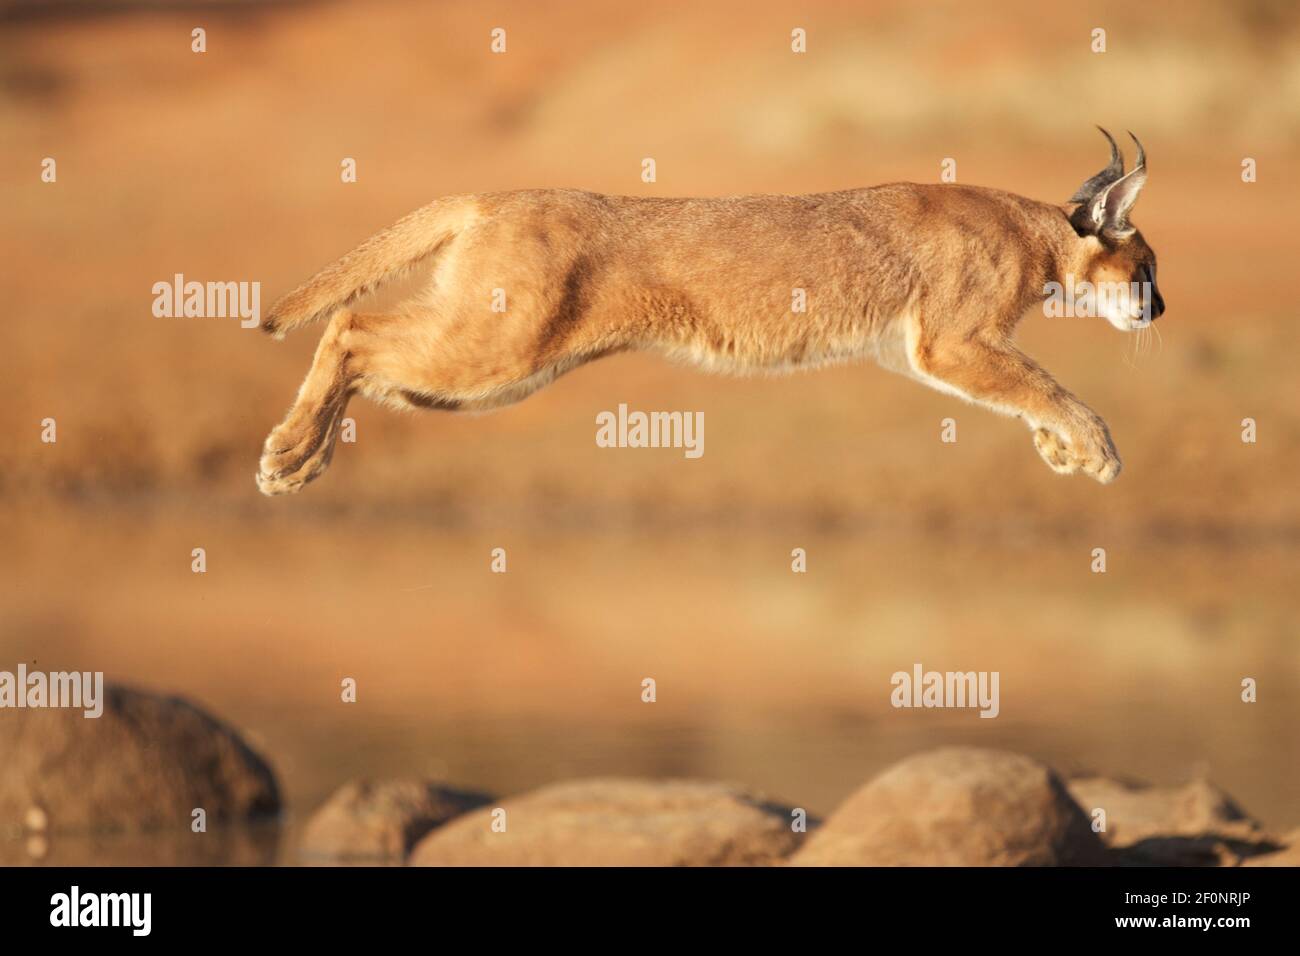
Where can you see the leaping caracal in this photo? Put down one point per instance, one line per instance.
(928, 280)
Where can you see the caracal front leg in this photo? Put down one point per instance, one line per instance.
(1069, 436)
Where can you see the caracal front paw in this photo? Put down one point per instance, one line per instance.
(1088, 449)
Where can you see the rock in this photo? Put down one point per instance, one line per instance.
(1288, 856)
(382, 820)
(618, 822)
(957, 807)
(1192, 825)
(147, 762)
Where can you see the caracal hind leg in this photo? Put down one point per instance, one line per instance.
(300, 447)
(1068, 435)
(403, 360)
(353, 347)
(447, 357)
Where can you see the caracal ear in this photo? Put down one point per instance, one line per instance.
(1109, 210)
(1095, 184)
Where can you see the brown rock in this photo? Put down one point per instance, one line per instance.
(1288, 856)
(957, 807)
(1192, 825)
(148, 761)
(382, 820)
(618, 822)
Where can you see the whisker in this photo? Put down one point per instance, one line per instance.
(1128, 358)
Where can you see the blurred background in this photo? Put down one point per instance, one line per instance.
(641, 563)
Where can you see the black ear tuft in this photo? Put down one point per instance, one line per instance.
(1113, 171)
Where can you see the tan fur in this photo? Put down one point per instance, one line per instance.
(928, 280)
